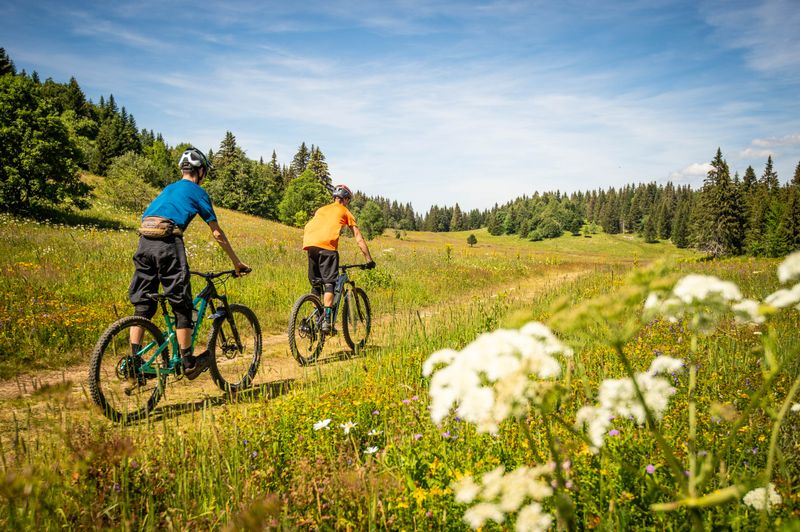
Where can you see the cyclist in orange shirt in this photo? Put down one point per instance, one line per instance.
(321, 241)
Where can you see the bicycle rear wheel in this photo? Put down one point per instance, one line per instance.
(116, 387)
(356, 318)
(305, 338)
(234, 345)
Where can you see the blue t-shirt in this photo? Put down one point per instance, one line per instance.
(180, 202)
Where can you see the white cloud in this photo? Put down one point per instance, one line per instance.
(765, 30)
(753, 153)
(692, 174)
(771, 142)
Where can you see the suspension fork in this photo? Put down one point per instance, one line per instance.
(228, 315)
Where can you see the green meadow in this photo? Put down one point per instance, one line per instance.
(207, 461)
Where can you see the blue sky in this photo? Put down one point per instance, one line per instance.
(444, 101)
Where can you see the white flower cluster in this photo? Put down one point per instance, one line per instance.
(703, 297)
(617, 397)
(495, 376)
(499, 494)
(761, 498)
(789, 270)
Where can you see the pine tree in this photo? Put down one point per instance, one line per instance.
(796, 177)
(6, 64)
(300, 161)
(770, 178)
(228, 151)
(680, 225)
(457, 220)
(788, 231)
(717, 227)
(317, 164)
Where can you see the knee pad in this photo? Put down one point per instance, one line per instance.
(145, 310)
(328, 288)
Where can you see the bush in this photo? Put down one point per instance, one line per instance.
(127, 184)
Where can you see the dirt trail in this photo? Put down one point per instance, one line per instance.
(32, 396)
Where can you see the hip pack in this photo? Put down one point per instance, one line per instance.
(158, 227)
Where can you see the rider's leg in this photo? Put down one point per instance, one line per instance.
(143, 283)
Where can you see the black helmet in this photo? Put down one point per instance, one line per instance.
(193, 159)
(341, 191)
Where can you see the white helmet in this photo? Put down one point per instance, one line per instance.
(193, 158)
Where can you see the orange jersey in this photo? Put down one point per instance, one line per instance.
(322, 231)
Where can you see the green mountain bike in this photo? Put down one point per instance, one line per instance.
(127, 393)
(306, 339)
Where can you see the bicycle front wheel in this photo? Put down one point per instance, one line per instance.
(305, 338)
(234, 345)
(116, 385)
(356, 319)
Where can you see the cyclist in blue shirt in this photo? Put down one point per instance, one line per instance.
(161, 258)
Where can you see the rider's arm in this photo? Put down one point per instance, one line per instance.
(222, 240)
(362, 244)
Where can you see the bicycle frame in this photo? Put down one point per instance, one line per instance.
(200, 304)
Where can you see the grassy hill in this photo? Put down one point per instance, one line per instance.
(65, 281)
(204, 461)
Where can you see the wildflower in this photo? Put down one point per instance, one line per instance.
(784, 297)
(763, 499)
(374, 432)
(482, 512)
(371, 450)
(795, 407)
(347, 427)
(466, 490)
(499, 494)
(322, 424)
(446, 434)
(406, 401)
(494, 377)
(665, 364)
(699, 288)
(531, 517)
(789, 269)
(618, 397)
(748, 311)
(701, 297)
(613, 432)
(375, 412)
(417, 437)
(650, 469)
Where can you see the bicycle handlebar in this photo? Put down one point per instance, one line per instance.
(213, 275)
(345, 267)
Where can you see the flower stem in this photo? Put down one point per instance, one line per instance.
(773, 444)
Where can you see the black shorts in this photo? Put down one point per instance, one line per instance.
(162, 263)
(323, 268)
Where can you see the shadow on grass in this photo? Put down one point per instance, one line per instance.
(72, 218)
(341, 355)
(267, 390)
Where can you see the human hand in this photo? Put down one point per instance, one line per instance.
(242, 269)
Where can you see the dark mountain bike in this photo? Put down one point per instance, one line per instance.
(126, 391)
(306, 338)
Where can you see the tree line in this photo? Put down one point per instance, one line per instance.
(49, 131)
(728, 215)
